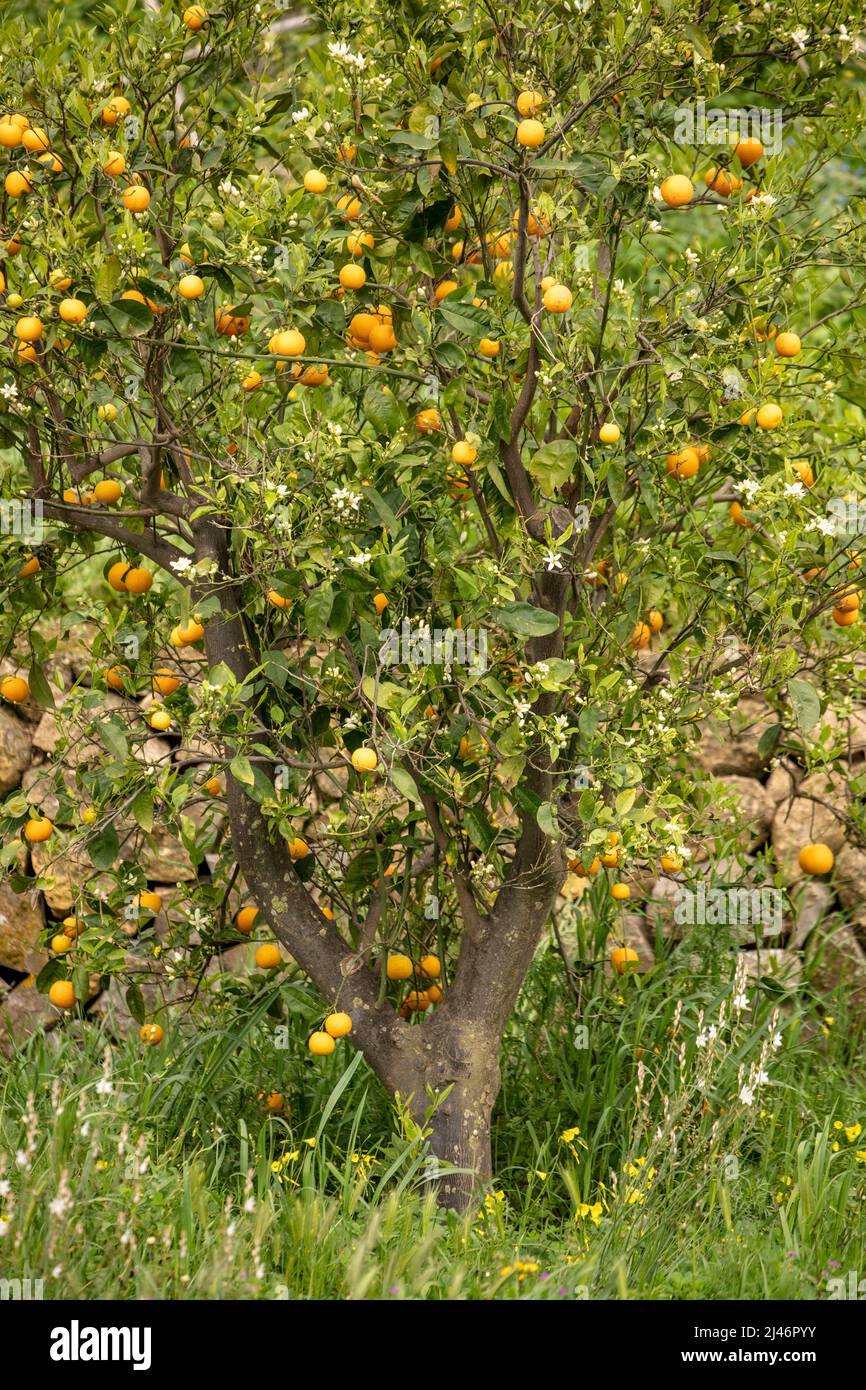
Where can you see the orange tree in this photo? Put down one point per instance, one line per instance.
(441, 375)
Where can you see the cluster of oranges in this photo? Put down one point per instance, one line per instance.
(400, 968)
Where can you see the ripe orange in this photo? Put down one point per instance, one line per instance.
(443, 289)
(529, 103)
(135, 199)
(138, 581)
(112, 112)
(164, 681)
(788, 345)
(847, 598)
(298, 848)
(380, 603)
(213, 786)
(845, 617)
(399, 967)
(684, 464)
(245, 919)
(738, 516)
(61, 943)
(769, 416)
(656, 619)
(677, 190)
(72, 311)
(116, 575)
(353, 277)
(268, 956)
(186, 633)
(252, 381)
(151, 1033)
(30, 567)
(463, 453)
(228, 324)
(108, 490)
(430, 967)
(160, 720)
(748, 151)
(364, 760)
(455, 217)
(816, 859)
(671, 863)
(321, 1044)
(190, 286)
(428, 421)
(558, 299)
(620, 892)
(530, 133)
(277, 600)
(115, 676)
(359, 242)
(148, 902)
(62, 995)
(624, 960)
(38, 830)
(114, 165)
(722, 182)
(640, 637)
(14, 689)
(338, 1025)
(435, 994)
(489, 347)
(29, 329)
(315, 181)
(609, 433)
(288, 342)
(194, 17)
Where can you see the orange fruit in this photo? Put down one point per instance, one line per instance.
(529, 103)
(194, 17)
(530, 133)
(656, 619)
(737, 515)
(463, 453)
(430, 967)
(609, 433)
(845, 617)
(190, 286)
(288, 342)
(788, 345)
(116, 575)
(29, 329)
(268, 956)
(428, 421)
(684, 464)
(677, 190)
(245, 919)
(135, 198)
(164, 681)
(321, 1044)
(228, 324)
(116, 107)
(31, 566)
(353, 277)
(364, 760)
(722, 182)
(489, 347)
(62, 995)
(769, 416)
(338, 1025)
(115, 676)
(72, 310)
(148, 902)
(558, 299)
(620, 892)
(38, 829)
(17, 183)
(623, 959)
(14, 689)
(399, 967)
(151, 1033)
(748, 151)
(671, 863)
(137, 581)
(315, 181)
(816, 859)
(114, 165)
(277, 600)
(107, 491)
(640, 637)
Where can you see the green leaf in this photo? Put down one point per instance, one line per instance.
(525, 620)
(478, 828)
(103, 847)
(135, 1003)
(624, 801)
(382, 409)
(405, 784)
(142, 809)
(106, 278)
(465, 318)
(553, 463)
(242, 771)
(317, 609)
(807, 706)
(547, 820)
(113, 735)
(39, 687)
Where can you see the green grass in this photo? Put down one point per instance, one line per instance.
(137, 1173)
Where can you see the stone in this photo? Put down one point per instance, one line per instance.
(65, 872)
(22, 919)
(849, 877)
(23, 1012)
(754, 810)
(809, 902)
(780, 785)
(733, 748)
(804, 820)
(774, 963)
(14, 751)
(839, 963)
